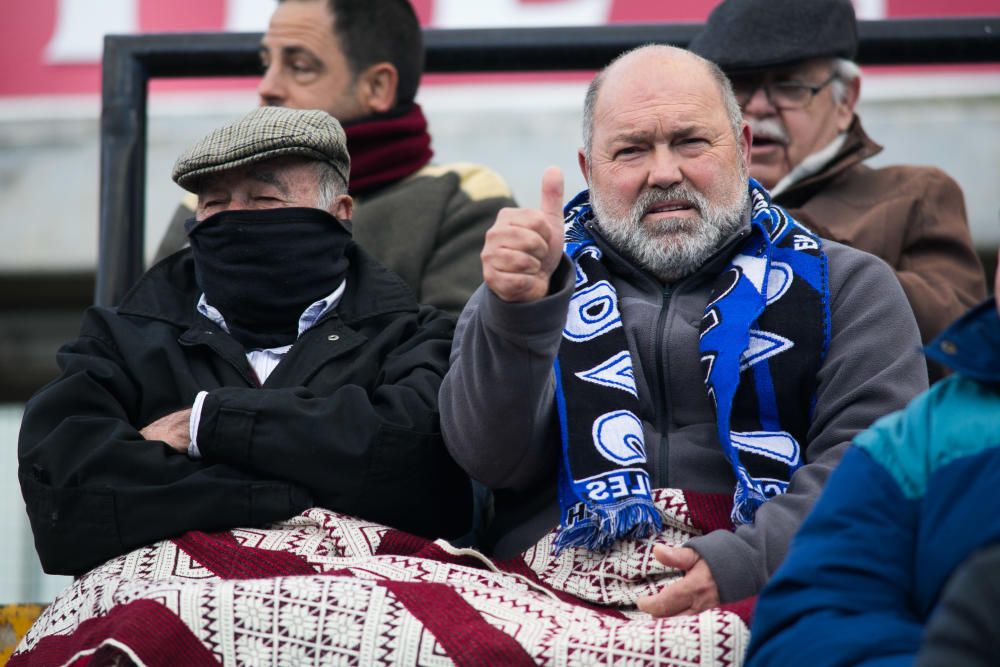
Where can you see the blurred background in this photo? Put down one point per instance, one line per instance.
(946, 116)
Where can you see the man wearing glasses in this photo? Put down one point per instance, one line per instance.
(791, 69)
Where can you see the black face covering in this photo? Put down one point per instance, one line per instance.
(262, 268)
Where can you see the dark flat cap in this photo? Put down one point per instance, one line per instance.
(755, 34)
(265, 133)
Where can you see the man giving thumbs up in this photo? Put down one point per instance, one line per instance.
(524, 245)
(668, 328)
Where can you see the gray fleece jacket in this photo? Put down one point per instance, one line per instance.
(498, 414)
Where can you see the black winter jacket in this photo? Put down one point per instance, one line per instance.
(348, 421)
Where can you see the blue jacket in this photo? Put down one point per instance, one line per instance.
(914, 496)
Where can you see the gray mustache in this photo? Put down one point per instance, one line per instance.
(768, 128)
(682, 193)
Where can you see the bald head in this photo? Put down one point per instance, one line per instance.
(665, 159)
(659, 60)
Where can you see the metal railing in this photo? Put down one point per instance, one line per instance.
(130, 61)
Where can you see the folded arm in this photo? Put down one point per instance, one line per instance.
(95, 488)
(372, 451)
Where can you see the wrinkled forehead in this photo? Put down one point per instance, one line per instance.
(657, 74)
(666, 100)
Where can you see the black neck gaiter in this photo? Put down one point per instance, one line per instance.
(262, 268)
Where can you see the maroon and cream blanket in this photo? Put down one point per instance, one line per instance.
(323, 588)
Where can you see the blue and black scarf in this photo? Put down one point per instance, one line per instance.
(764, 335)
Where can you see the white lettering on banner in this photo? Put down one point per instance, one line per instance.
(82, 24)
(248, 15)
(515, 14)
(78, 36)
(870, 9)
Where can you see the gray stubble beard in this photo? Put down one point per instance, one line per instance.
(675, 248)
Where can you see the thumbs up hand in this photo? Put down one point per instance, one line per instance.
(524, 245)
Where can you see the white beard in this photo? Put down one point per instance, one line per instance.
(675, 248)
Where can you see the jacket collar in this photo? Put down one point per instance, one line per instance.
(857, 148)
(169, 292)
(971, 345)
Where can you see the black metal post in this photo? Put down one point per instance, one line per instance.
(123, 168)
(129, 63)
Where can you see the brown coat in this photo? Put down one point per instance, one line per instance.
(912, 217)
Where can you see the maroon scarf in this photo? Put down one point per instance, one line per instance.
(387, 147)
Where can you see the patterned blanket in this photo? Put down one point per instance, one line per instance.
(323, 589)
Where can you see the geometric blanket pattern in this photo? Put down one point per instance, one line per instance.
(327, 589)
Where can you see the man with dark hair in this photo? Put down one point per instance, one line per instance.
(272, 367)
(790, 63)
(373, 32)
(673, 330)
(361, 61)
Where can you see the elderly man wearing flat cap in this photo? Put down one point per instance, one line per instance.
(790, 63)
(272, 367)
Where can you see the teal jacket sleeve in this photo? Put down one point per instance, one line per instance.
(842, 596)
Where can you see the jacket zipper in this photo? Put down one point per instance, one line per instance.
(661, 391)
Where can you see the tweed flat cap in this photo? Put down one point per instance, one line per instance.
(754, 34)
(264, 133)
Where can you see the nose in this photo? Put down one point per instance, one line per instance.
(664, 169)
(759, 104)
(271, 89)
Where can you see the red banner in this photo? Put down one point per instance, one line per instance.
(53, 47)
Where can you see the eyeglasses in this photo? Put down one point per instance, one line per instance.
(782, 95)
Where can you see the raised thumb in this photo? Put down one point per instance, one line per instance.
(552, 192)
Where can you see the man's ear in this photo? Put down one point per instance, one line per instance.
(342, 207)
(745, 140)
(376, 87)
(584, 167)
(845, 110)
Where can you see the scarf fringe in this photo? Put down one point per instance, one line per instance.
(633, 519)
(746, 500)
